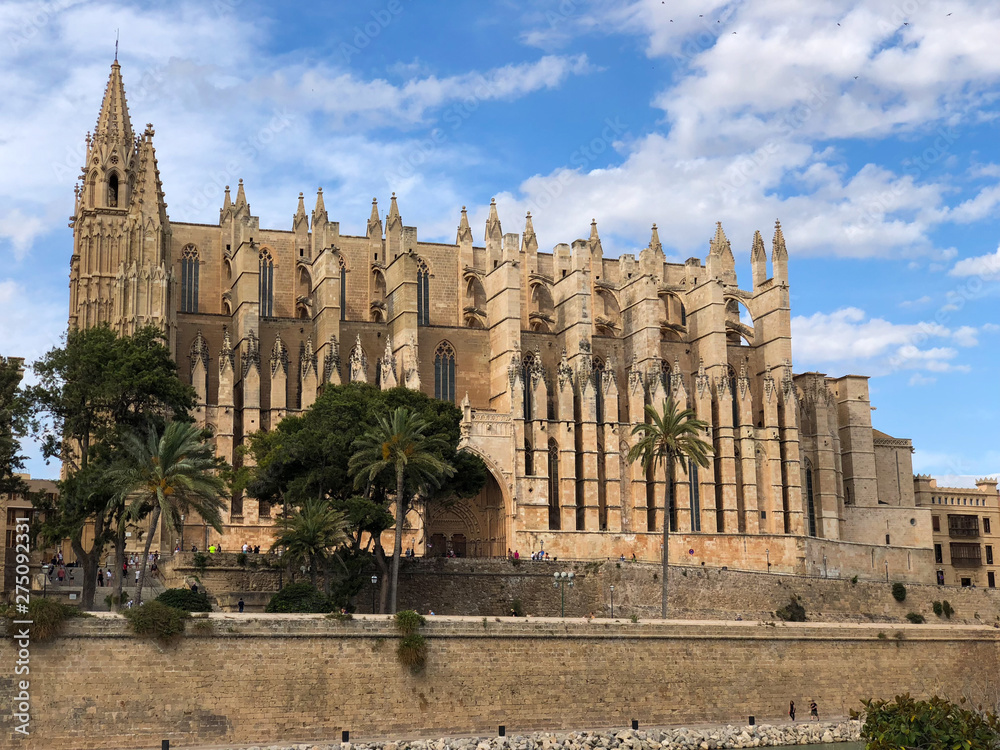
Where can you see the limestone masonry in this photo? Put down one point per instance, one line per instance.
(551, 355)
(300, 678)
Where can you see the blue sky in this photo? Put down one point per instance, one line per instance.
(869, 129)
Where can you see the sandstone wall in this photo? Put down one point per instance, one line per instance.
(300, 678)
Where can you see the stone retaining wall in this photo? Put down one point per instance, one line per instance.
(299, 678)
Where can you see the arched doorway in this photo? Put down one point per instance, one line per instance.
(471, 527)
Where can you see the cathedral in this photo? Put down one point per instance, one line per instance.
(551, 356)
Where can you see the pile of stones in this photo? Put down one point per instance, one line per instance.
(700, 738)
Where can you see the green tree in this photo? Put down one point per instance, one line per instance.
(310, 534)
(15, 420)
(666, 439)
(92, 390)
(400, 444)
(167, 476)
(908, 724)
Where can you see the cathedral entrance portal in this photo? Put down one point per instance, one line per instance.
(470, 527)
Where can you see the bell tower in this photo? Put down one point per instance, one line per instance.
(120, 271)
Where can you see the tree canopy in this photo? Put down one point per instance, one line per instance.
(925, 725)
(15, 420)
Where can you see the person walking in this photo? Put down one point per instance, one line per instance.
(791, 710)
(240, 604)
(813, 711)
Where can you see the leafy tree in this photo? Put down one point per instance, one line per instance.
(15, 421)
(186, 599)
(92, 390)
(666, 439)
(299, 597)
(169, 476)
(908, 724)
(310, 534)
(307, 456)
(399, 443)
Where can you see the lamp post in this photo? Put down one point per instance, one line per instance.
(45, 579)
(560, 581)
(182, 532)
(767, 553)
(612, 602)
(374, 584)
(887, 571)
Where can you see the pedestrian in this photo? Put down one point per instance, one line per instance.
(194, 587)
(240, 604)
(61, 575)
(100, 578)
(813, 710)
(791, 710)
(137, 571)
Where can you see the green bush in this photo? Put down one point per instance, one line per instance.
(946, 607)
(157, 620)
(516, 608)
(299, 597)
(937, 723)
(915, 618)
(200, 561)
(898, 592)
(186, 599)
(407, 621)
(938, 608)
(412, 651)
(241, 559)
(854, 580)
(792, 612)
(47, 616)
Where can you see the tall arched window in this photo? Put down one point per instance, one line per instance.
(444, 372)
(343, 289)
(189, 279)
(113, 190)
(694, 495)
(598, 374)
(810, 499)
(527, 365)
(554, 522)
(529, 459)
(266, 283)
(423, 295)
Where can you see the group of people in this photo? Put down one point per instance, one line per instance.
(253, 549)
(133, 561)
(813, 710)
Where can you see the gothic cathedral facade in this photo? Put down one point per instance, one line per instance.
(552, 357)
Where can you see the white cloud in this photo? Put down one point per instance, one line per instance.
(918, 379)
(848, 340)
(919, 302)
(32, 324)
(984, 266)
(20, 230)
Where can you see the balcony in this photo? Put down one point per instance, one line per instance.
(963, 527)
(966, 555)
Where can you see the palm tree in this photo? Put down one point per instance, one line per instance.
(167, 476)
(665, 440)
(310, 533)
(400, 443)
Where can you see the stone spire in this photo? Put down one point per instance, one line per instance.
(720, 243)
(147, 195)
(374, 222)
(778, 249)
(279, 355)
(654, 240)
(464, 230)
(241, 197)
(393, 218)
(529, 242)
(300, 213)
(226, 358)
(493, 230)
(227, 201)
(320, 205)
(595, 239)
(251, 355)
(758, 260)
(113, 123)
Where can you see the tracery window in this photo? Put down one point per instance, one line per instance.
(266, 283)
(189, 279)
(343, 289)
(810, 499)
(423, 295)
(444, 372)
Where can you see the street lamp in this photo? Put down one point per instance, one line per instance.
(560, 581)
(182, 532)
(45, 579)
(612, 602)
(374, 584)
(767, 553)
(887, 571)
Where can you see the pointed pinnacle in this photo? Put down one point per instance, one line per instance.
(320, 205)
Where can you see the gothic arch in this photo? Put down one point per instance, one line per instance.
(738, 332)
(378, 306)
(445, 372)
(607, 312)
(496, 506)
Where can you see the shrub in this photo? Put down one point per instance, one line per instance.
(854, 580)
(412, 651)
(935, 723)
(47, 616)
(186, 599)
(241, 559)
(792, 612)
(915, 618)
(157, 620)
(898, 592)
(299, 597)
(634, 618)
(946, 607)
(516, 608)
(408, 621)
(340, 616)
(938, 608)
(200, 561)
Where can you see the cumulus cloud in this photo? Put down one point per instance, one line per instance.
(985, 266)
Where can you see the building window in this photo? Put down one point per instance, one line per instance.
(989, 554)
(991, 580)
(343, 290)
(527, 365)
(938, 554)
(189, 279)
(966, 555)
(598, 373)
(940, 578)
(423, 295)
(986, 526)
(444, 373)
(694, 495)
(963, 526)
(810, 500)
(113, 191)
(266, 284)
(936, 523)
(529, 459)
(554, 522)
